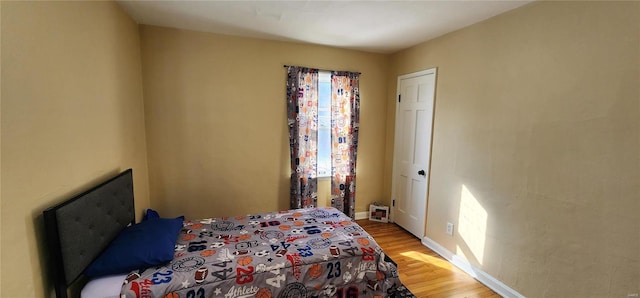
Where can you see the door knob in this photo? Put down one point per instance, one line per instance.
(421, 172)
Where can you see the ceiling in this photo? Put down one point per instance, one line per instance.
(372, 26)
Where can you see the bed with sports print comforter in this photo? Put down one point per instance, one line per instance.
(318, 252)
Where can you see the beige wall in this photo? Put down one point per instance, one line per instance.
(216, 120)
(72, 114)
(536, 153)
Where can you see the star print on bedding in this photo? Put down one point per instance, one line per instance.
(315, 252)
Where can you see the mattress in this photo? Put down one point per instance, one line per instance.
(316, 252)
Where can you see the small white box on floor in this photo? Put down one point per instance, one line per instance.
(378, 213)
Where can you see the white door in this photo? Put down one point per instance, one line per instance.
(412, 150)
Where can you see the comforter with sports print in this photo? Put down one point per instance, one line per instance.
(317, 252)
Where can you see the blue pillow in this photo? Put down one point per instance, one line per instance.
(150, 214)
(147, 244)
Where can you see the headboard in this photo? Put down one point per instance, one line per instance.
(79, 229)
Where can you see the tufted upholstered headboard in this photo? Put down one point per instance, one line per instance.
(79, 229)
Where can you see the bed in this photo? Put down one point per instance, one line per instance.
(314, 252)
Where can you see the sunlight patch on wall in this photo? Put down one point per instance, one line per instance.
(472, 224)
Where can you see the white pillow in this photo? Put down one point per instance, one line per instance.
(104, 287)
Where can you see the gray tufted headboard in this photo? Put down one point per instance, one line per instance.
(79, 229)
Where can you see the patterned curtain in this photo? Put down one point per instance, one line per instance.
(302, 114)
(345, 121)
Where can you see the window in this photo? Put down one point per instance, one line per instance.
(324, 124)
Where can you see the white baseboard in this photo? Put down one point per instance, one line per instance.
(362, 215)
(483, 277)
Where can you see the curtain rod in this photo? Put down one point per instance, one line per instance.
(325, 69)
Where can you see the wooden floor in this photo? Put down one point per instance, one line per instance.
(423, 271)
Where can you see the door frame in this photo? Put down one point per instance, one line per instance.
(394, 184)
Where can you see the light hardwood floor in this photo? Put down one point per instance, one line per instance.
(423, 271)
